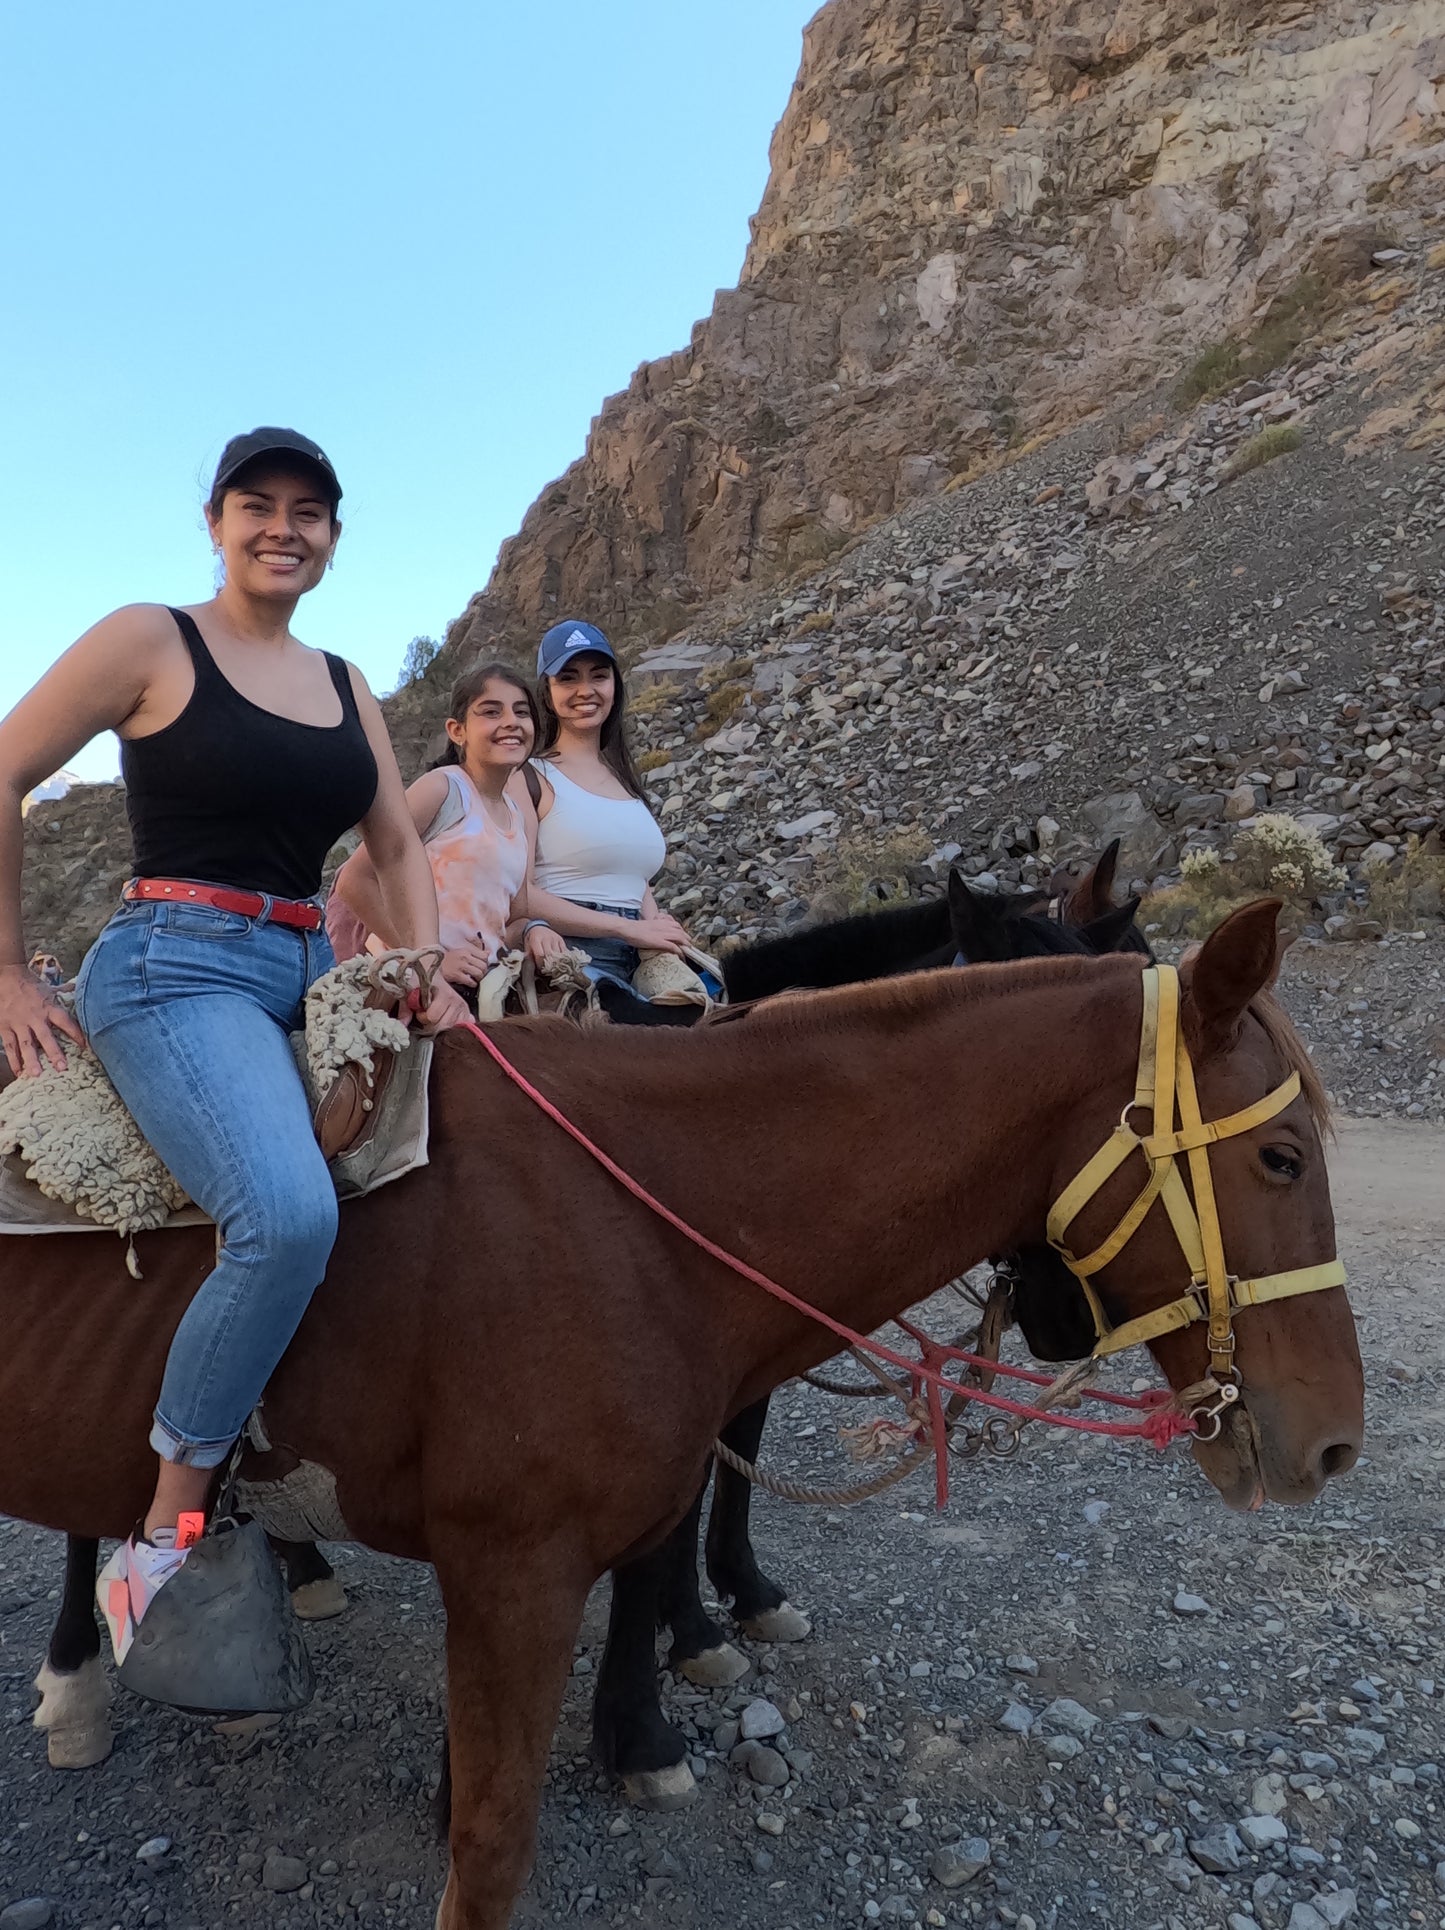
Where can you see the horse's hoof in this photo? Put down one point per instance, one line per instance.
(781, 1624)
(319, 1601)
(246, 1725)
(75, 1714)
(661, 1789)
(715, 1668)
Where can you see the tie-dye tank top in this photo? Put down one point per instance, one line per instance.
(478, 868)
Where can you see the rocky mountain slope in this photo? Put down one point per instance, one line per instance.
(1222, 593)
(986, 219)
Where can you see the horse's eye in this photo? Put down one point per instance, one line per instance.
(1282, 1161)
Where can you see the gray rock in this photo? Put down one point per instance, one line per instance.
(1363, 1742)
(1187, 1604)
(767, 1767)
(154, 1850)
(30, 1913)
(1017, 1719)
(1063, 1748)
(958, 1863)
(761, 1720)
(1066, 1714)
(1219, 1851)
(1335, 1906)
(1263, 1832)
(1305, 1917)
(1021, 1665)
(282, 1873)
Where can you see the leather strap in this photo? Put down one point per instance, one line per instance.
(298, 913)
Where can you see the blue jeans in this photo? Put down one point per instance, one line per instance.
(188, 1009)
(610, 958)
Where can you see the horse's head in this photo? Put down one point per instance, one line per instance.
(993, 927)
(1295, 1412)
(1088, 902)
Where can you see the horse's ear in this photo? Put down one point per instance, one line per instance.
(971, 917)
(1235, 964)
(1108, 933)
(1093, 895)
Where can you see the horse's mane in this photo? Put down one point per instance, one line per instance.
(844, 951)
(903, 999)
(1279, 1029)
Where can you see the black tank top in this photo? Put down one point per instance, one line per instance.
(231, 794)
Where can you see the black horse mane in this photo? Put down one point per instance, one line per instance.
(913, 937)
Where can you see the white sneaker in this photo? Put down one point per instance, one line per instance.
(134, 1576)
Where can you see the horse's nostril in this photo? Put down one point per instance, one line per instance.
(1340, 1458)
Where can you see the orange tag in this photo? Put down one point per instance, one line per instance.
(189, 1529)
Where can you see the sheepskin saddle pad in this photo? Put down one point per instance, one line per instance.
(73, 1160)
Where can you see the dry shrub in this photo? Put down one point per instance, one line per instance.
(869, 868)
(723, 705)
(1401, 893)
(652, 698)
(1275, 857)
(1279, 439)
(1293, 318)
(653, 760)
(819, 620)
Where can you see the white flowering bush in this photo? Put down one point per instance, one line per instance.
(1198, 866)
(1279, 854)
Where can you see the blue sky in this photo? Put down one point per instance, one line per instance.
(432, 238)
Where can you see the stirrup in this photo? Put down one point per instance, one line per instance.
(220, 1639)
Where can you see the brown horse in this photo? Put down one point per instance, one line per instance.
(518, 1379)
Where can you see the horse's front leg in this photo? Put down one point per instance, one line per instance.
(760, 1606)
(74, 1694)
(512, 1617)
(316, 1593)
(700, 1651)
(630, 1735)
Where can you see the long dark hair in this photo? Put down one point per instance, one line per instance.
(467, 689)
(613, 746)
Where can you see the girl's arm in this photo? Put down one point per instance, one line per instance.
(98, 684)
(408, 895)
(358, 882)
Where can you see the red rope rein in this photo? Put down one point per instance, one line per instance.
(1165, 1422)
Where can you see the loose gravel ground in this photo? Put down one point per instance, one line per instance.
(1085, 1694)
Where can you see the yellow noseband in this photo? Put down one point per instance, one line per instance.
(1165, 1086)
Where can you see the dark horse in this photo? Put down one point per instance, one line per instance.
(631, 1735)
(841, 1130)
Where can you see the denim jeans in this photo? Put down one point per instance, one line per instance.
(188, 1009)
(611, 958)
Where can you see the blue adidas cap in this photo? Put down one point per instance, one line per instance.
(564, 641)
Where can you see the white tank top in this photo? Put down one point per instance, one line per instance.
(601, 850)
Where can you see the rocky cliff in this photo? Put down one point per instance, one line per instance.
(984, 222)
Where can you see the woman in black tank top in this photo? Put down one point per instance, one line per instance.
(245, 756)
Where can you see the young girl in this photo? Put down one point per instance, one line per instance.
(598, 845)
(478, 837)
(245, 756)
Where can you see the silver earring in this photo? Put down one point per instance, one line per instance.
(331, 562)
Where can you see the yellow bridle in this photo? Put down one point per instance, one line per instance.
(1165, 1086)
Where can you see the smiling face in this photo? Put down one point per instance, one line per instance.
(583, 692)
(275, 531)
(496, 731)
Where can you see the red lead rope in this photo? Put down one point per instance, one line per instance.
(1165, 1422)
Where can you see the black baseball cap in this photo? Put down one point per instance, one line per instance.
(241, 450)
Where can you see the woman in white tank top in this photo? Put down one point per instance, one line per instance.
(598, 845)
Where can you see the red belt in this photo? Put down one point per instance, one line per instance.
(300, 913)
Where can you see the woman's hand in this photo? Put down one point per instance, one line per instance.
(466, 964)
(447, 1007)
(659, 933)
(544, 946)
(29, 1022)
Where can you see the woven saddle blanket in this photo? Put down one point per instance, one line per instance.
(72, 1160)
